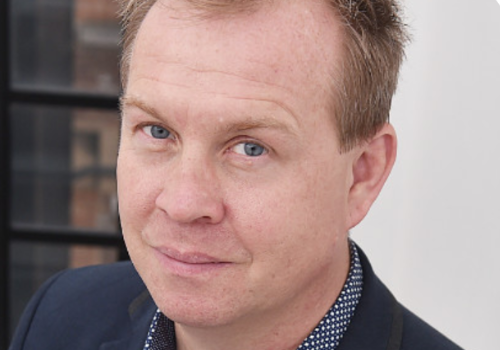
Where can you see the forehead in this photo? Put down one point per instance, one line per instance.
(287, 35)
(293, 46)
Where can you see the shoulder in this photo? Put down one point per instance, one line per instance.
(417, 334)
(380, 319)
(103, 286)
(96, 279)
(80, 308)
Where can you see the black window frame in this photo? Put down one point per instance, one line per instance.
(15, 233)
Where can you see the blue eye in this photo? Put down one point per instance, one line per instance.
(157, 131)
(249, 149)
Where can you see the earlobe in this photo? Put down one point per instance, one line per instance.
(370, 169)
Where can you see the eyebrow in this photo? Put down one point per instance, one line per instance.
(134, 102)
(249, 123)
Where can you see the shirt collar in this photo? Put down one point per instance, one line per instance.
(327, 334)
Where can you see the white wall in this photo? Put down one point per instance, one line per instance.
(434, 234)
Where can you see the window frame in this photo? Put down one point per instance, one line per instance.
(9, 233)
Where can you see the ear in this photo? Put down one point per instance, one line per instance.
(372, 165)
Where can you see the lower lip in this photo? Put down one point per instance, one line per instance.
(188, 269)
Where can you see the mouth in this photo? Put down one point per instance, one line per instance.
(188, 263)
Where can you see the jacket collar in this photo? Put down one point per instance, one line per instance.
(378, 320)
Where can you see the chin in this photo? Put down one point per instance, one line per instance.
(198, 312)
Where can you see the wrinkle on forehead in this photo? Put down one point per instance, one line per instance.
(200, 69)
(243, 93)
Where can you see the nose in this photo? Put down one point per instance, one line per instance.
(191, 192)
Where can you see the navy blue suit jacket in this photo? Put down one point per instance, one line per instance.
(109, 308)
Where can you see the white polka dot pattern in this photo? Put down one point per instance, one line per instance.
(326, 336)
(161, 335)
(331, 329)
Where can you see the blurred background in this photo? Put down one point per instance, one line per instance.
(59, 129)
(432, 236)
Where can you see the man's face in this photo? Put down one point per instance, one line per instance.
(233, 193)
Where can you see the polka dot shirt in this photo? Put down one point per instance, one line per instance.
(326, 336)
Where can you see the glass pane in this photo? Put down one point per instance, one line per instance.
(33, 263)
(63, 167)
(61, 44)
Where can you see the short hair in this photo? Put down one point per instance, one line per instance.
(374, 41)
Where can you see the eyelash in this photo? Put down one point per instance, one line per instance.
(141, 127)
(242, 142)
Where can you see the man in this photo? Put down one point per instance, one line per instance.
(254, 137)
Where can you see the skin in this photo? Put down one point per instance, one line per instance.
(241, 250)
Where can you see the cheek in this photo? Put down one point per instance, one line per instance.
(137, 191)
(275, 218)
(286, 215)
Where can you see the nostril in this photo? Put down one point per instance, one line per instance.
(184, 204)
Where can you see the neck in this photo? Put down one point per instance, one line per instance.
(201, 339)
